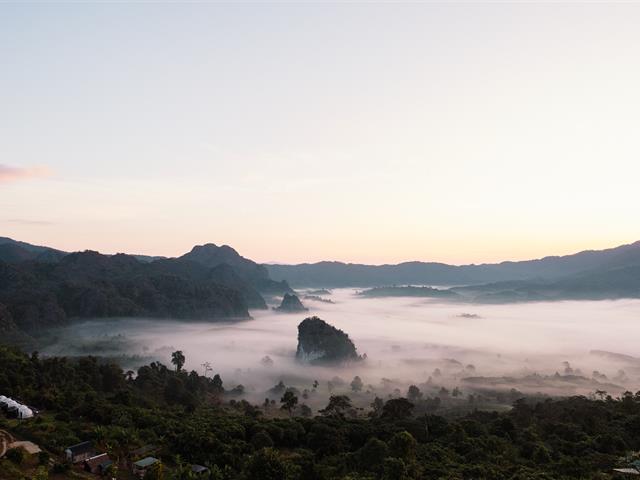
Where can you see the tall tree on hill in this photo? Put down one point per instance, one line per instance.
(178, 359)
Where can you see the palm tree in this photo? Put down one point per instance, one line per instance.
(177, 358)
(289, 401)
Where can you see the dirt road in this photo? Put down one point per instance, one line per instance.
(5, 440)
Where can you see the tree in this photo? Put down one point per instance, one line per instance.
(394, 469)
(279, 388)
(182, 470)
(376, 407)
(174, 392)
(217, 384)
(178, 359)
(372, 454)
(261, 439)
(43, 458)
(266, 465)
(288, 401)
(601, 394)
(403, 445)
(356, 384)
(414, 394)
(41, 473)
(16, 455)
(339, 406)
(397, 409)
(238, 390)
(155, 472)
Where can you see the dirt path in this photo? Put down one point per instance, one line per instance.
(5, 440)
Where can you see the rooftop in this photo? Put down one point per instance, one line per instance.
(82, 447)
(199, 468)
(146, 462)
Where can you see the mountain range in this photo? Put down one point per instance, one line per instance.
(593, 264)
(43, 287)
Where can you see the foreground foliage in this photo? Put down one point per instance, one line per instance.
(193, 421)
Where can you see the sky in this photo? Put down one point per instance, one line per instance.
(361, 132)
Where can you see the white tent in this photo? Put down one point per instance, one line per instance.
(24, 412)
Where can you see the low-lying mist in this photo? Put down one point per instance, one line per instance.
(591, 346)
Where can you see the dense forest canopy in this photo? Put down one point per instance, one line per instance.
(194, 419)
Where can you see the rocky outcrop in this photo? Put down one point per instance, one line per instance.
(291, 304)
(321, 343)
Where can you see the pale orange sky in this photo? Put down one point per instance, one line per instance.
(363, 132)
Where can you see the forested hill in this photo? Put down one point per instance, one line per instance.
(257, 275)
(43, 287)
(338, 274)
(36, 295)
(208, 255)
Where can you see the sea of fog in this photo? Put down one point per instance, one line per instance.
(406, 340)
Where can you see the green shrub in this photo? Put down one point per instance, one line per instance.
(16, 455)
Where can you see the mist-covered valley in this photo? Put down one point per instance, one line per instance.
(464, 355)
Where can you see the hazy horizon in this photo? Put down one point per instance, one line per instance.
(275, 262)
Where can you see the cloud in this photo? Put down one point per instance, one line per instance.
(22, 221)
(13, 174)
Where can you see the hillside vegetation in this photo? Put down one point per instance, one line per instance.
(193, 419)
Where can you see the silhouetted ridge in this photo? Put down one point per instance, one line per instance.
(211, 255)
(338, 274)
(88, 284)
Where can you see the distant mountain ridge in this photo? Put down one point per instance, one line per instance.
(604, 283)
(338, 274)
(12, 251)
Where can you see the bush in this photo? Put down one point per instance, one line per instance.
(261, 440)
(43, 458)
(266, 465)
(16, 455)
(59, 468)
